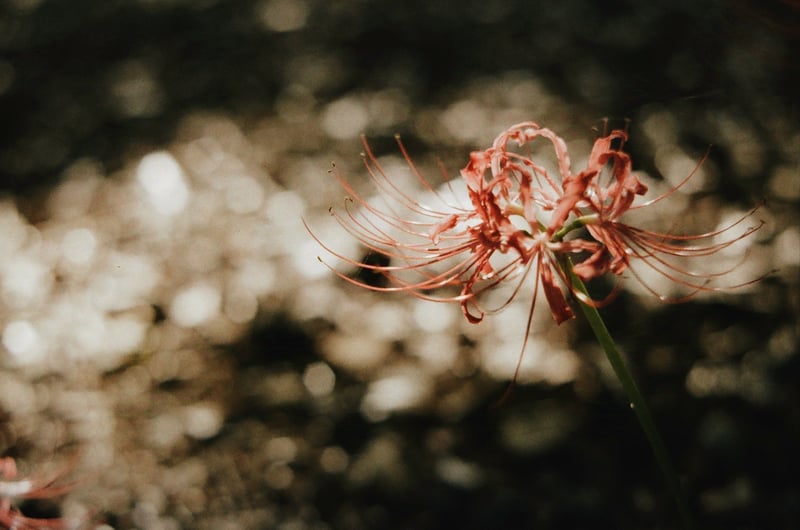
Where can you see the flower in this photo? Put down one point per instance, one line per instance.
(13, 489)
(599, 202)
(497, 238)
(503, 234)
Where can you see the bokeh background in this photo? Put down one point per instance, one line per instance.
(170, 338)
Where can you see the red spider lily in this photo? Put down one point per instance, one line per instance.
(499, 237)
(496, 239)
(600, 202)
(13, 489)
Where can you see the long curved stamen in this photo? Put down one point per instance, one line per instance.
(675, 188)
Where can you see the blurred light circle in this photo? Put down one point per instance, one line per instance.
(19, 338)
(162, 179)
(195, 305)
(79, 245)
(319, 379)
(334, 459)
(345, 118)
(283, 15)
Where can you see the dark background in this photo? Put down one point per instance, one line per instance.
(612, 59)
(60, 57)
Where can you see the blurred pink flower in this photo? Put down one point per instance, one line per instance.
(13, 490)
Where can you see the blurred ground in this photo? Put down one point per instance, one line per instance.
(165, 318)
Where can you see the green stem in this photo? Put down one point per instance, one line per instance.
(580, 222)
(637, 402)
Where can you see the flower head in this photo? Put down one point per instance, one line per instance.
(606, 191)
(496, 238)
(518, 222)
